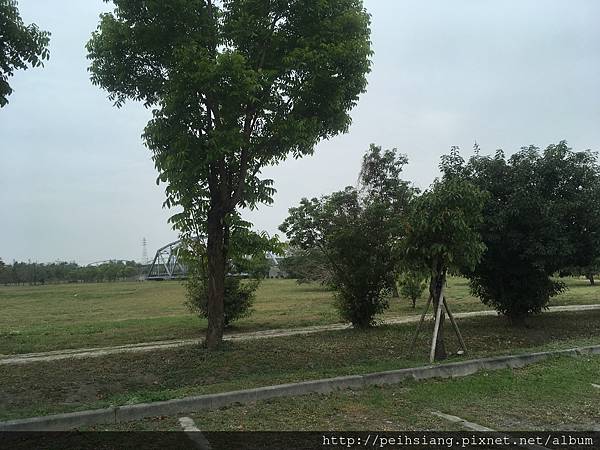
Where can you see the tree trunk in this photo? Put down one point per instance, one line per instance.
(590, 276)
(216, 279)
(440, 347)
(436, 289)
(518, 321)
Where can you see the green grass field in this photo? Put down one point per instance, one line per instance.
(53, 317)
(160, 375)
(553, 395)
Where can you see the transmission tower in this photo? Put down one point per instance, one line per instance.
(144, 252)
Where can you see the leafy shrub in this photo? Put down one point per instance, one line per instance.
(538, 220)
(518, 292)
(354, 232)
(238, 300)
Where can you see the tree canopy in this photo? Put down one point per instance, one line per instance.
(443, 227)
(306, 266)
(235, 85)
(540, 217)
(20, 46)
(357, 231)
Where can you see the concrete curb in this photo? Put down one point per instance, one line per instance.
(128, 413)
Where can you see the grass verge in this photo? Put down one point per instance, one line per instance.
(554, 395)
(45, 388)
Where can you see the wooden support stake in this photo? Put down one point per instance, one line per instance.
(436, 328)
(414, 341)
(455, 326)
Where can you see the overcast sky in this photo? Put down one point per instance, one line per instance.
(77, 184)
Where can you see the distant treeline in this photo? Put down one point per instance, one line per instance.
(21, 273)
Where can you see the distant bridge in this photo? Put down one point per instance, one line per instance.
(167, 263)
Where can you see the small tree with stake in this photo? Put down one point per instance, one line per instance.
(442, 235)
(235, 86)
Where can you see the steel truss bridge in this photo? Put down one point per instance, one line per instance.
(167, 263)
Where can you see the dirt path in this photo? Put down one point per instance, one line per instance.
(265, 334)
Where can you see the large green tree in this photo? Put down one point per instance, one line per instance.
(234, 86)
(357, 231)
(20, 46)
(541, 216)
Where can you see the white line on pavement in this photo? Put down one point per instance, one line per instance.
(194, 433)
(476, 427)
(462, 422)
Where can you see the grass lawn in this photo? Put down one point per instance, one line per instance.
(135, 378)
(553, 395)
(53, 317)
(41, 318)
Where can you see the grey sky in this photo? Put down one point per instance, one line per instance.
(77, 184)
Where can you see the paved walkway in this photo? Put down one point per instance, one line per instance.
(265, 334)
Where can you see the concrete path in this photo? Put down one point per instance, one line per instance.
(57, 355)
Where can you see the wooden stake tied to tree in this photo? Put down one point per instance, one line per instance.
(442, 236)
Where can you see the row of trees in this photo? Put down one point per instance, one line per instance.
(238, 85)
(21, 273)
(507, 224)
